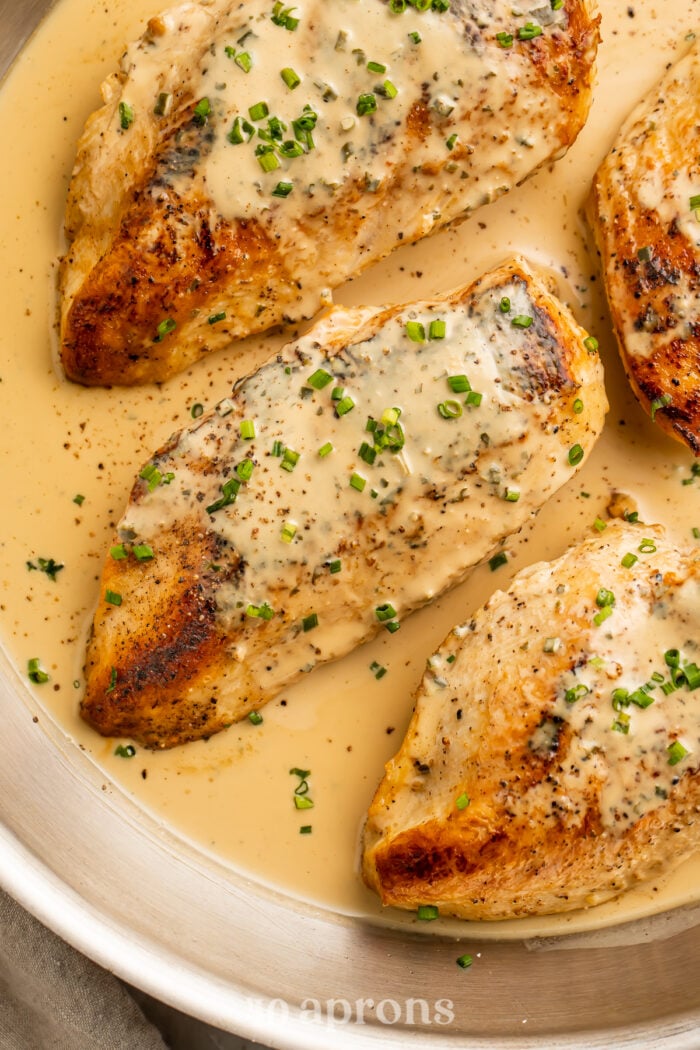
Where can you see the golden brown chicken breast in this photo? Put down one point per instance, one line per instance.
(350, 480)
(552, 758)
(249, 157)
(645, 211)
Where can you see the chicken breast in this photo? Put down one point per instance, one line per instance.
(249, 157)
(645, 211)
(552, 758)
(350, 480)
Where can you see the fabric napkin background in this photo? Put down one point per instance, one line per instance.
(53, 998)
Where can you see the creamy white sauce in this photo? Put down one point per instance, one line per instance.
(60, 440)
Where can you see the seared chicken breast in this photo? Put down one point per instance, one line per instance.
(645, 211)
(552, 758)
(354, 477)
(249, 157)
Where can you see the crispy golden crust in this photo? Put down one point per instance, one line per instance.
(648, 242)
(544, 830)
(145, 246)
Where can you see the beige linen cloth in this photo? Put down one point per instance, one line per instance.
(53, 998)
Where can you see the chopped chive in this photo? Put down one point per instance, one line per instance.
(291, 79)
(113, 597)
(628, 560)
(458, 384)
(289, 531)
(244, 470)
(505, 39)
(325, 450)
(344, 405)
(575, 454)
(389, 89)
(462, 801)
(337, 393)
(451, 142)
(164, 328)
(357, 482)
(376, 67)
(386, 611)
(79, 499)
(215, 318)
(591, 344)
(309, 622)
(282, 16)
(602, 615)
(377, 670)
(125, 750)
(305, 829)
(604, 597)
(551, 645)
(474, 398)
(163, 104)
(392, 626)
(529, 31)
(415, 331)
(334, 565)
(695, 202)
(303, 802)
(437, 329)
(658, 403)
(319, 379)
(258, 111)
(282, 189)
(35, 672)
(578, 406)
(647, 547)
(465, 961)
(290, 458)
(267, 161)
(504, 305)
(112, 680)
(450, 409)
(414, 37)
(497, 560)
(511, 495)
(599, 525)
(621, 723)
(366, 103)
(142, 551)
(692, 676)
(260, 612)
(676, 753)
(244, 61)
(202, 111)
(640, 698)
(255, 718)
(575, 693)
(118, 551)
(230, 489)
(521, 321)
(427, 912)
(557, 5)
(367, 453)
(247, 429)
(126, 116)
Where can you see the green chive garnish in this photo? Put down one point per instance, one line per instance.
(142, 551)
(357, 482)
(118, 551)
(575, 454)
(676, 753)
(521, 321)
(125, 750)
(255, 718)
(291, 79)
(247, 429)
(415, 331)
(35, 672)
(591, 344)
(462, 801)
(497, 560)
(113, 597)
(325, 450)
(458, 384)
(366, 103)
(164, 328)
(628, 560)
(529, 31)
(126, 116)
(309, 622)
(427, 912)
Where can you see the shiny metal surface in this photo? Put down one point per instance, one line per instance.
(90, 865)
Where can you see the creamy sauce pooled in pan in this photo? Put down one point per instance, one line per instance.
(70, 455)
